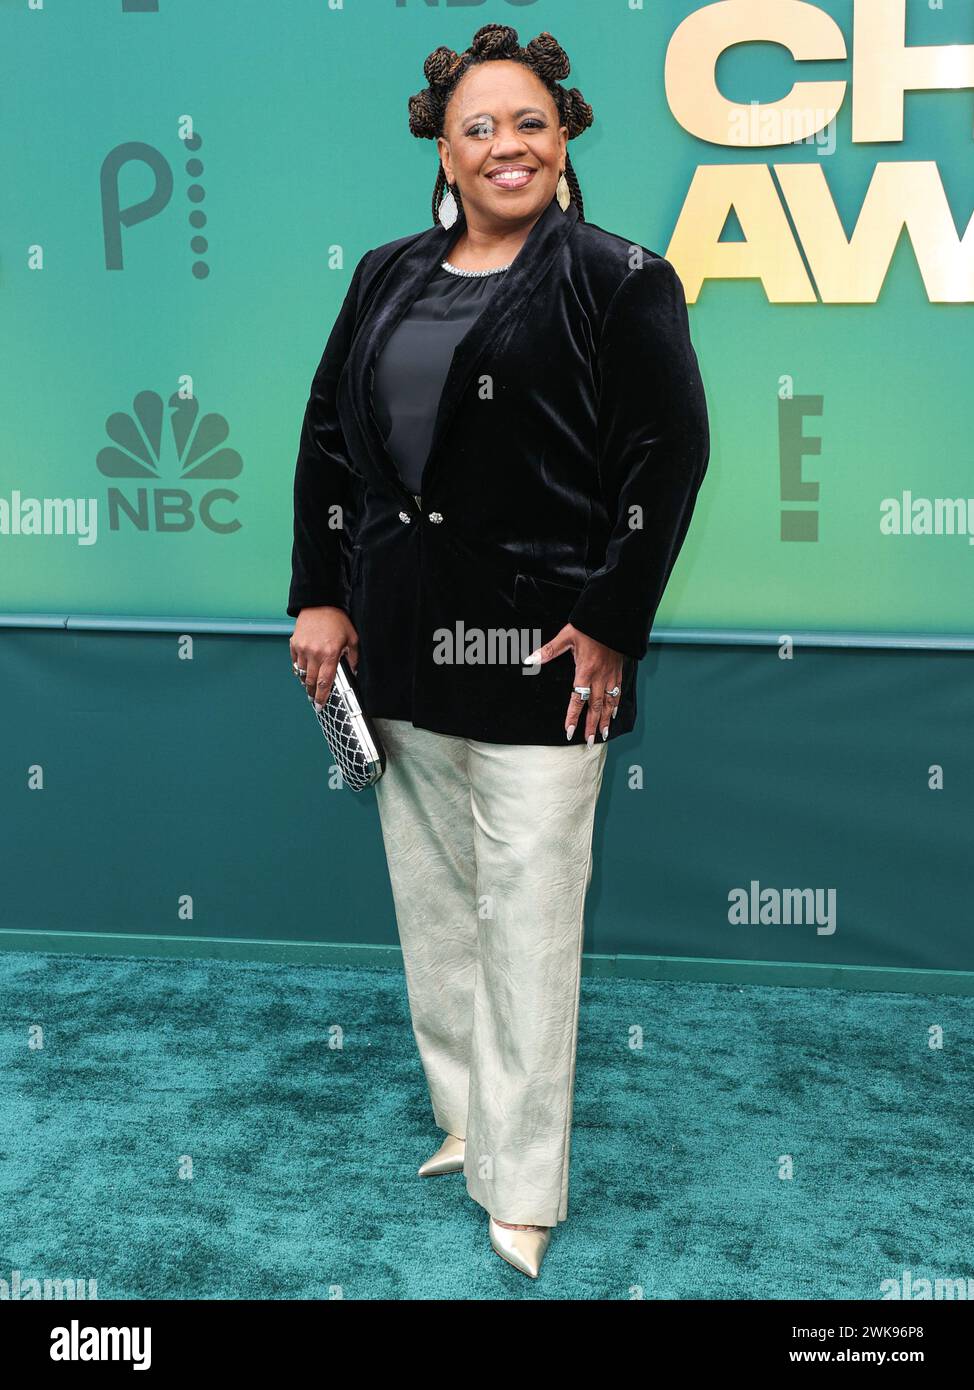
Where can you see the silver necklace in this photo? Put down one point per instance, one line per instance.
(474, 274)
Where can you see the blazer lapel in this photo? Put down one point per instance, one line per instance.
(402, 286)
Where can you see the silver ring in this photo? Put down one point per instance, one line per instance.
(583, 690)
(299, 672)
(614, 693)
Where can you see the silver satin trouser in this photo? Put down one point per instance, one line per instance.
(489, 847)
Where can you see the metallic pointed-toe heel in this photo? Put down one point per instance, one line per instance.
(523, 1249)
(447, 1159)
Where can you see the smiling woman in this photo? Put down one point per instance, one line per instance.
(506, 126)
(506, 432)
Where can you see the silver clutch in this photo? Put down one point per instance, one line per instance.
(349, 733)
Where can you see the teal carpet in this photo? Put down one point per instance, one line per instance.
(304, 1154)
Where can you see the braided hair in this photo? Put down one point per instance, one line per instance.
(546, 59)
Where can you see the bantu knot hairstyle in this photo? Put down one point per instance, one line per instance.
(544, 56)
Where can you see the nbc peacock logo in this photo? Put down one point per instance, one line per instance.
(191, 450)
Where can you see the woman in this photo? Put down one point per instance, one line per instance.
(498, 463)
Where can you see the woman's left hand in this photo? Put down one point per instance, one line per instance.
(597, 667)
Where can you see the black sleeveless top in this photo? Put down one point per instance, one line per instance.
(412, 366)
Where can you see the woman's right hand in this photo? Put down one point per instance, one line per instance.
(320, 637)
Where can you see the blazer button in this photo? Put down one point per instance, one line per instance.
(436, 517)
(405, 517)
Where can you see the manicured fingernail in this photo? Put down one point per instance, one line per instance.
(569, 731)
(605, 733)
(591, 740)
(533, 659)
(615, 711)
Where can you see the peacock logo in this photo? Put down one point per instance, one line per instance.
(193, 449)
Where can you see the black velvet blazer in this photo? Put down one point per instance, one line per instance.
(571, 439)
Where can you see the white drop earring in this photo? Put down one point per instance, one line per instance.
(447, 212)
(562, 192)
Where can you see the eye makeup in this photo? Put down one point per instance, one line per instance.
(482, 129)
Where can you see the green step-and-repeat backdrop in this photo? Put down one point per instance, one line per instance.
(189, 185)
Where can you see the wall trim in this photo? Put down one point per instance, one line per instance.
(662, 636)
(781, 974)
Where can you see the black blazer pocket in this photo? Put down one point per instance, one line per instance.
(545, 605)
(548, 597)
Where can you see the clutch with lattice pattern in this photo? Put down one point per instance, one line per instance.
(349, 733)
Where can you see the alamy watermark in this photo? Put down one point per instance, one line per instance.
(755, 906)
(486, 646)
(49, 516)
(917, 1288)
(907, 515)
(26, 1287)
